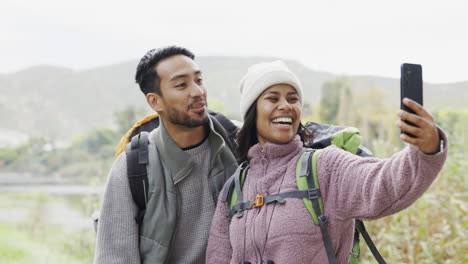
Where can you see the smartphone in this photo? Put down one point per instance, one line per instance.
(411, 86)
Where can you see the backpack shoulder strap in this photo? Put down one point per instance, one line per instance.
(362, 229)
(148, 123)
(307, 179)
(230, 129)
(228, 125)
(232, 195)
(137, 159)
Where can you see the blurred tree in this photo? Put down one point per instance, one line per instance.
(8, 156)
(127, 117)
(375, 121)
(346, 114)
(450, 118)
(217, 105)
(96, 139)
(329, 103)
(306, 109)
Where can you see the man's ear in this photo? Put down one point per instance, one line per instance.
(155, 101)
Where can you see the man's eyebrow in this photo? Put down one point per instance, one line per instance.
(179, 76)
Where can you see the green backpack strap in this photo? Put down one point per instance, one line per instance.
(307, 175)
(348, 139)
(302, 179)
(306, 178)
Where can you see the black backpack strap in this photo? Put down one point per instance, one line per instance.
(281, 197)
(148, 126)
(230, 129)
(228, 125)
(362, 229)
(137, 159)
(239, 209)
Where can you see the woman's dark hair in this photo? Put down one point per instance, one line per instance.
(247, 135)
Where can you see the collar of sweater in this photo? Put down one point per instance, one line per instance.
(275, 154)
(179, 162)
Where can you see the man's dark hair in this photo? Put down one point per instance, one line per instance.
(146, 75)
(247, 135)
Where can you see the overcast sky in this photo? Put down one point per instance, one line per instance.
(344, 37)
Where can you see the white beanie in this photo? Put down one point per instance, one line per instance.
(261, 76)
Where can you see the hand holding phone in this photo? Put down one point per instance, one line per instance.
(416, 124)
(411, 86)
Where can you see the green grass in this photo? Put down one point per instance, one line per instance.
(18, 247)
(15, 247)
(35, 240)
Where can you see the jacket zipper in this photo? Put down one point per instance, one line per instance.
(214, 193)
(255, 240)
(171, 244)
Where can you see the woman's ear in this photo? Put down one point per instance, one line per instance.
(155, 101)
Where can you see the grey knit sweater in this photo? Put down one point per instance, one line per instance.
(196, 209)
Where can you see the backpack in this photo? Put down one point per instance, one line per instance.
(135, 143)
(308, 187)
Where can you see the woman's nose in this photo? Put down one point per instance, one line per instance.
(284, 105)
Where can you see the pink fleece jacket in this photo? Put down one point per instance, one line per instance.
(351, 187)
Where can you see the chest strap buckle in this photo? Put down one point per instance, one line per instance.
(259, 201)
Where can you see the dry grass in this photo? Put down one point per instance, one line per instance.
(435, 228)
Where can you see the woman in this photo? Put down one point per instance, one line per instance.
(272, 139)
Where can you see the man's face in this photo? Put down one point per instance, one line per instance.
(183, 100)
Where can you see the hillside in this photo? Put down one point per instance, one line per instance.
(57, 102)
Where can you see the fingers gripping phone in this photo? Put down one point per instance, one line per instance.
(411, 86)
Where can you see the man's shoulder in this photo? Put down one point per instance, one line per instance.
(118, 170)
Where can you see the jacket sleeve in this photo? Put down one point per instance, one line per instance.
(219, 249)
(117, 235)
(370, 188)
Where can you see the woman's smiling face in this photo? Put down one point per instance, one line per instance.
(278, 114)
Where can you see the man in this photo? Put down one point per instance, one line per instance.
(189, 162)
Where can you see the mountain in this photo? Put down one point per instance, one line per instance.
(57, 102)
